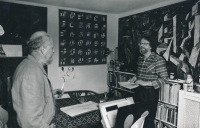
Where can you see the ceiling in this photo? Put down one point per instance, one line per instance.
(104, 6)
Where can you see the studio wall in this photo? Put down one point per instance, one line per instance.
(174, 30)
(92, 77)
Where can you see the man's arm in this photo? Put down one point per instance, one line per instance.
(161, 71)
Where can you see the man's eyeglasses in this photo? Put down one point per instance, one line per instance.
(144, 44)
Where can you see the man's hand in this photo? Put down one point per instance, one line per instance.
(133, 79)
(143, 83)
(52, 125)
(58, 93)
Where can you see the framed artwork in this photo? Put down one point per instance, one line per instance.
(19, 22)
(173, 29)
(82, 38)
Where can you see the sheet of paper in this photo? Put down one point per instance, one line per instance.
(160, 33)
(111, 115)
(79, 109)
(194, 56)
(12, 50)
(174, 60)
(181, 57)
(167, 52)
(128, 85)
(174, 33)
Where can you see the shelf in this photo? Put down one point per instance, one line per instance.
(176, 81)
(169, 105)
(167, 123)
(120, 72)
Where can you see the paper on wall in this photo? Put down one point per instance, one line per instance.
(174, 33)
(160, 33)
(194, 56)
(167, 52)
(196, 29)
(182, 56)
(174, 60)
(191, 26)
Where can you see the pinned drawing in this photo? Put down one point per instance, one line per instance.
(69, 73)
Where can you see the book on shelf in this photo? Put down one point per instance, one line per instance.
(166, 114)
(177, 81)
(169, 93)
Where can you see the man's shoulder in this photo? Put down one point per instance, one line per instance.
(27, 67)
(157, 57)
(28, 63)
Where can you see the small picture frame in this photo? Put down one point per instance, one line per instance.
(10, 50)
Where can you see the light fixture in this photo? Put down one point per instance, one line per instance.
(107, 52)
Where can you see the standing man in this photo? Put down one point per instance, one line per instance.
(151, 75)
(32, 94)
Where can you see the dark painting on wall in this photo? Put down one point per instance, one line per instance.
(82, 38)
(20, 21)
(171, 27)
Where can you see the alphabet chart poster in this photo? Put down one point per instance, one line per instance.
(82, 38)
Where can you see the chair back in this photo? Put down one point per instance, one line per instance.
(140, 122)
(12, 121)
(3, 117)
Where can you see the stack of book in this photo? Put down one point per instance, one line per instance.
(169, 93)
(167, 114)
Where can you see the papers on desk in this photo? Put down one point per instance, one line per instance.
(128, 85)
(79, 109)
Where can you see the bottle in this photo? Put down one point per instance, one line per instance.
(189, 82)
(171, 76)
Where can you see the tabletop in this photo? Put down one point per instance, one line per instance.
(87, 120)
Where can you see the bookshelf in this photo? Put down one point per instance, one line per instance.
(167, 109)
(114, 77)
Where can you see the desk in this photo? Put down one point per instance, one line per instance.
(88, 120)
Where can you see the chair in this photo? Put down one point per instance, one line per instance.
(12, 121)
(80, 95)
(3, 117)
(140, 122)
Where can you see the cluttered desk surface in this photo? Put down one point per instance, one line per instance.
(87, 120)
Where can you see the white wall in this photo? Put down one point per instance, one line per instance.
(92, 77)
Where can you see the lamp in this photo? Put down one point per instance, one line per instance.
(107, 52)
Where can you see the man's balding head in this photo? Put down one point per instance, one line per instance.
(41, 47)
(38, 39)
